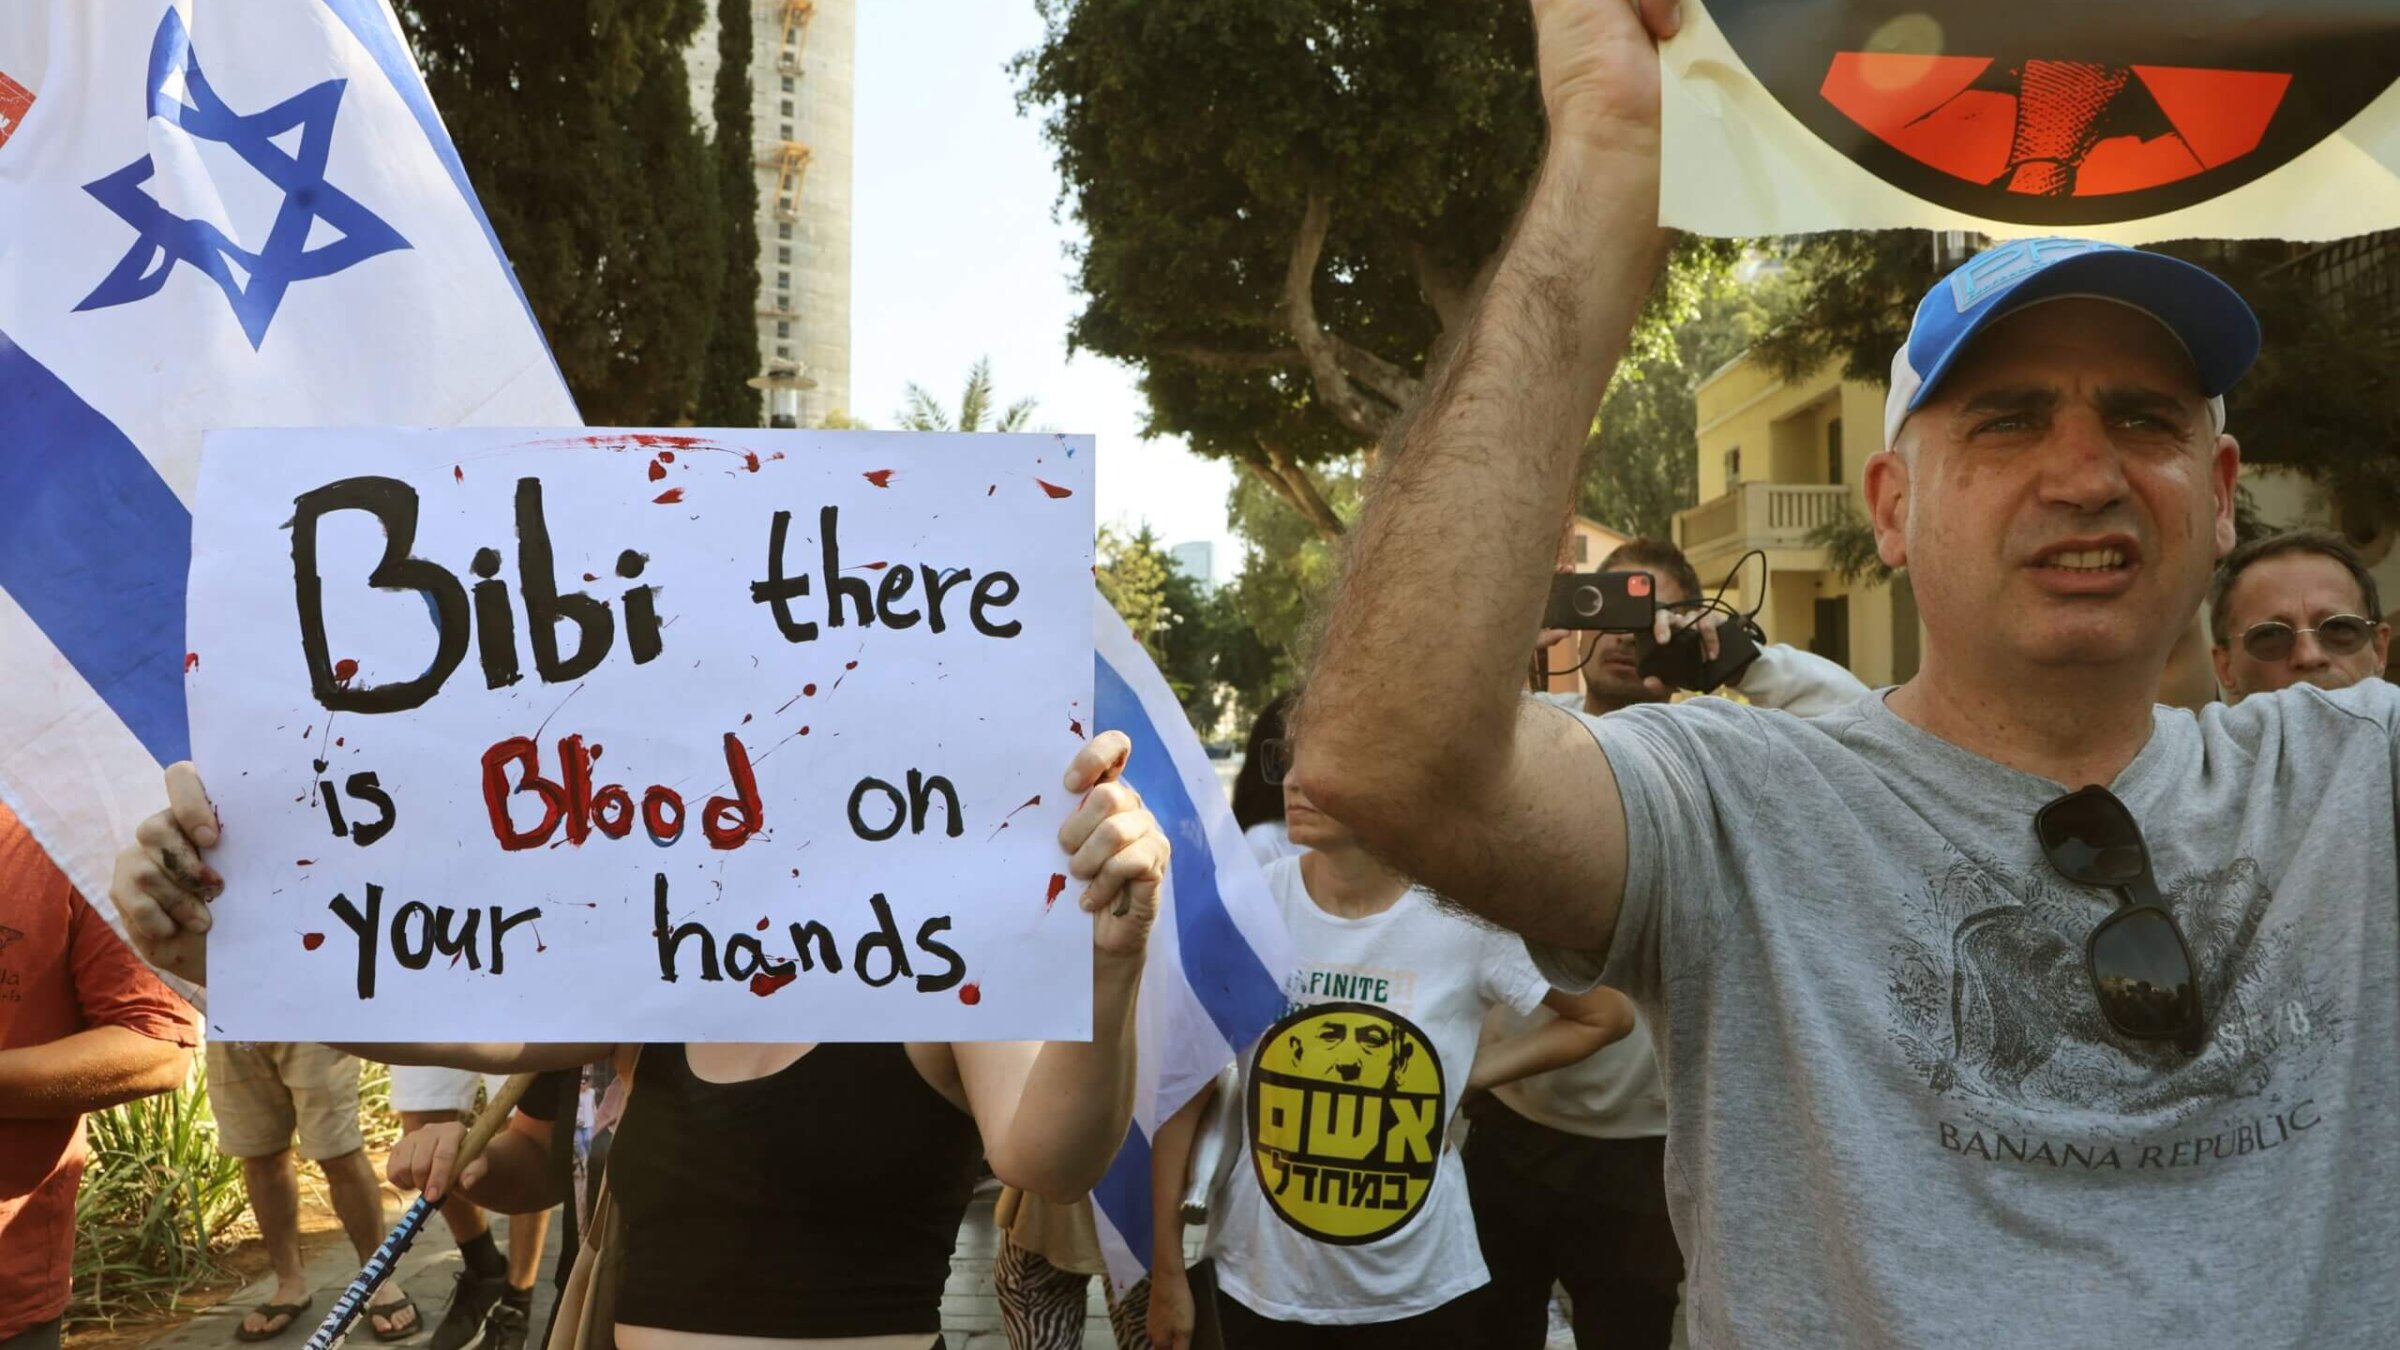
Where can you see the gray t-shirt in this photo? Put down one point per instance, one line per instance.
(1896, 1117)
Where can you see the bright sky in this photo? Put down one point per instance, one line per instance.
(955, 255)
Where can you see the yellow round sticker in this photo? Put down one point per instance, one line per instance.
(1346, 1120)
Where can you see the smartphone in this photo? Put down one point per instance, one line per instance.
(1613, 602)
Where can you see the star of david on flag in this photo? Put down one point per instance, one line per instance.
(167, 239)
(213, 213)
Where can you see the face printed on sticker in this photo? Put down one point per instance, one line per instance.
(2066, 112)
(1356, 1049)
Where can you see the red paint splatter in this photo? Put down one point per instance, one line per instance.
(458, 472)
(881, 478)
(305, 862)
(312, 941)
(1054, 489)
(767, 982)
(1029, 803)
(795, 871)
(344, 669)
(1075, 726)
(745, 719)
(970, 993)
(874, 566)
(804, 731)
(992, 489)
(591, 576)
(809, 690)
(850, 665)
(668, 497)
(191, 662)
(341, 740)
(667, 456)
(312, 730)
(1058, 887)
(750, 460)
(762, 924)
(777, 455)
(657, 471)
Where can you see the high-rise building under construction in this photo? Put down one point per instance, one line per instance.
(801, 54)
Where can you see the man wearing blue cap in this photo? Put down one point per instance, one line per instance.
(1957, 1049)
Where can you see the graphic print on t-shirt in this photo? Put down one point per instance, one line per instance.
(1991, 1002)
(1345, 1120)
(2066, 112)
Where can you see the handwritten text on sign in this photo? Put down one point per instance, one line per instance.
(744, 736)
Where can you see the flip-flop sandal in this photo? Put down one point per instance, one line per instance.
(388, 1311)
(290, 1312)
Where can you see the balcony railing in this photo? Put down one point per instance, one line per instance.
(1760, 515)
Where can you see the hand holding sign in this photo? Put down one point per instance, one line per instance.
(496, 719)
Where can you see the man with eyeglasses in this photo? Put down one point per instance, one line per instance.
(2295, 608)
(1958, 1050)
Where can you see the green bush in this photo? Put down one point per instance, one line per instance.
(158, 1198)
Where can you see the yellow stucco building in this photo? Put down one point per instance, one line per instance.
(1777, 460)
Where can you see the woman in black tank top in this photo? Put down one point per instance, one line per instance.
(811, 1194)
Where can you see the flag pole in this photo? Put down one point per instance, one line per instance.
(379, 1266)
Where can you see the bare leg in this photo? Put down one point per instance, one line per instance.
(358, 1200)
(274, 1188)
(526, 1234)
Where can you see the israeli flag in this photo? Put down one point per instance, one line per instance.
(213, 213)
(1219, 955)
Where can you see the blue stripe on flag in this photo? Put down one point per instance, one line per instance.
(1125, 1193)
(95, 546)
(1218, 963)
(370, 23)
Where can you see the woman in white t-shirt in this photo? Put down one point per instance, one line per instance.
(1347, 1223)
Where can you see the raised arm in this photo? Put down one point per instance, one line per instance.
(1053, 1115)
(1412, 733)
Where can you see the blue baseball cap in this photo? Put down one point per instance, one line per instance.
(2211, 320)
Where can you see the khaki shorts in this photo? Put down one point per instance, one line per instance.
(262, 1092)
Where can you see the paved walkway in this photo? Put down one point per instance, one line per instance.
(970, 1312)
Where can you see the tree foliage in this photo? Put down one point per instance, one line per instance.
(1289, 207)
(726, 398)
(923, 411)
(1644, 464)
(1203, 645)
(575, 124)
(2323, 397)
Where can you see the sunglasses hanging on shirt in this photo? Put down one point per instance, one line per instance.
(2140, 967)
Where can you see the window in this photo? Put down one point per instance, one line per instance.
(1583, 548)
(787, 84)
(1833, 451)
(787, 107)
(787, 131)
(783, 253)
(783, 328)
(783, 229)
(1733, 467)
(784, 350)
(783, 281)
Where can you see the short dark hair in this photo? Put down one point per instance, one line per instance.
(1659, 556)
(1255, 800)
(2220, 625)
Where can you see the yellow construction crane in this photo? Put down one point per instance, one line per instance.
(796, 14)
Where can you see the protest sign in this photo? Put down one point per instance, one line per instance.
(614, 736)
(2128, 122)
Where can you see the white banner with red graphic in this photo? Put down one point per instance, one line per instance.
(2199, 119)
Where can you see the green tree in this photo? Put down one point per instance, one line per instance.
(575, 124)
(1643, 464)
(726, 398)
(924, 412)
(1289, 205)
(2322, 398)
(1203, 645)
